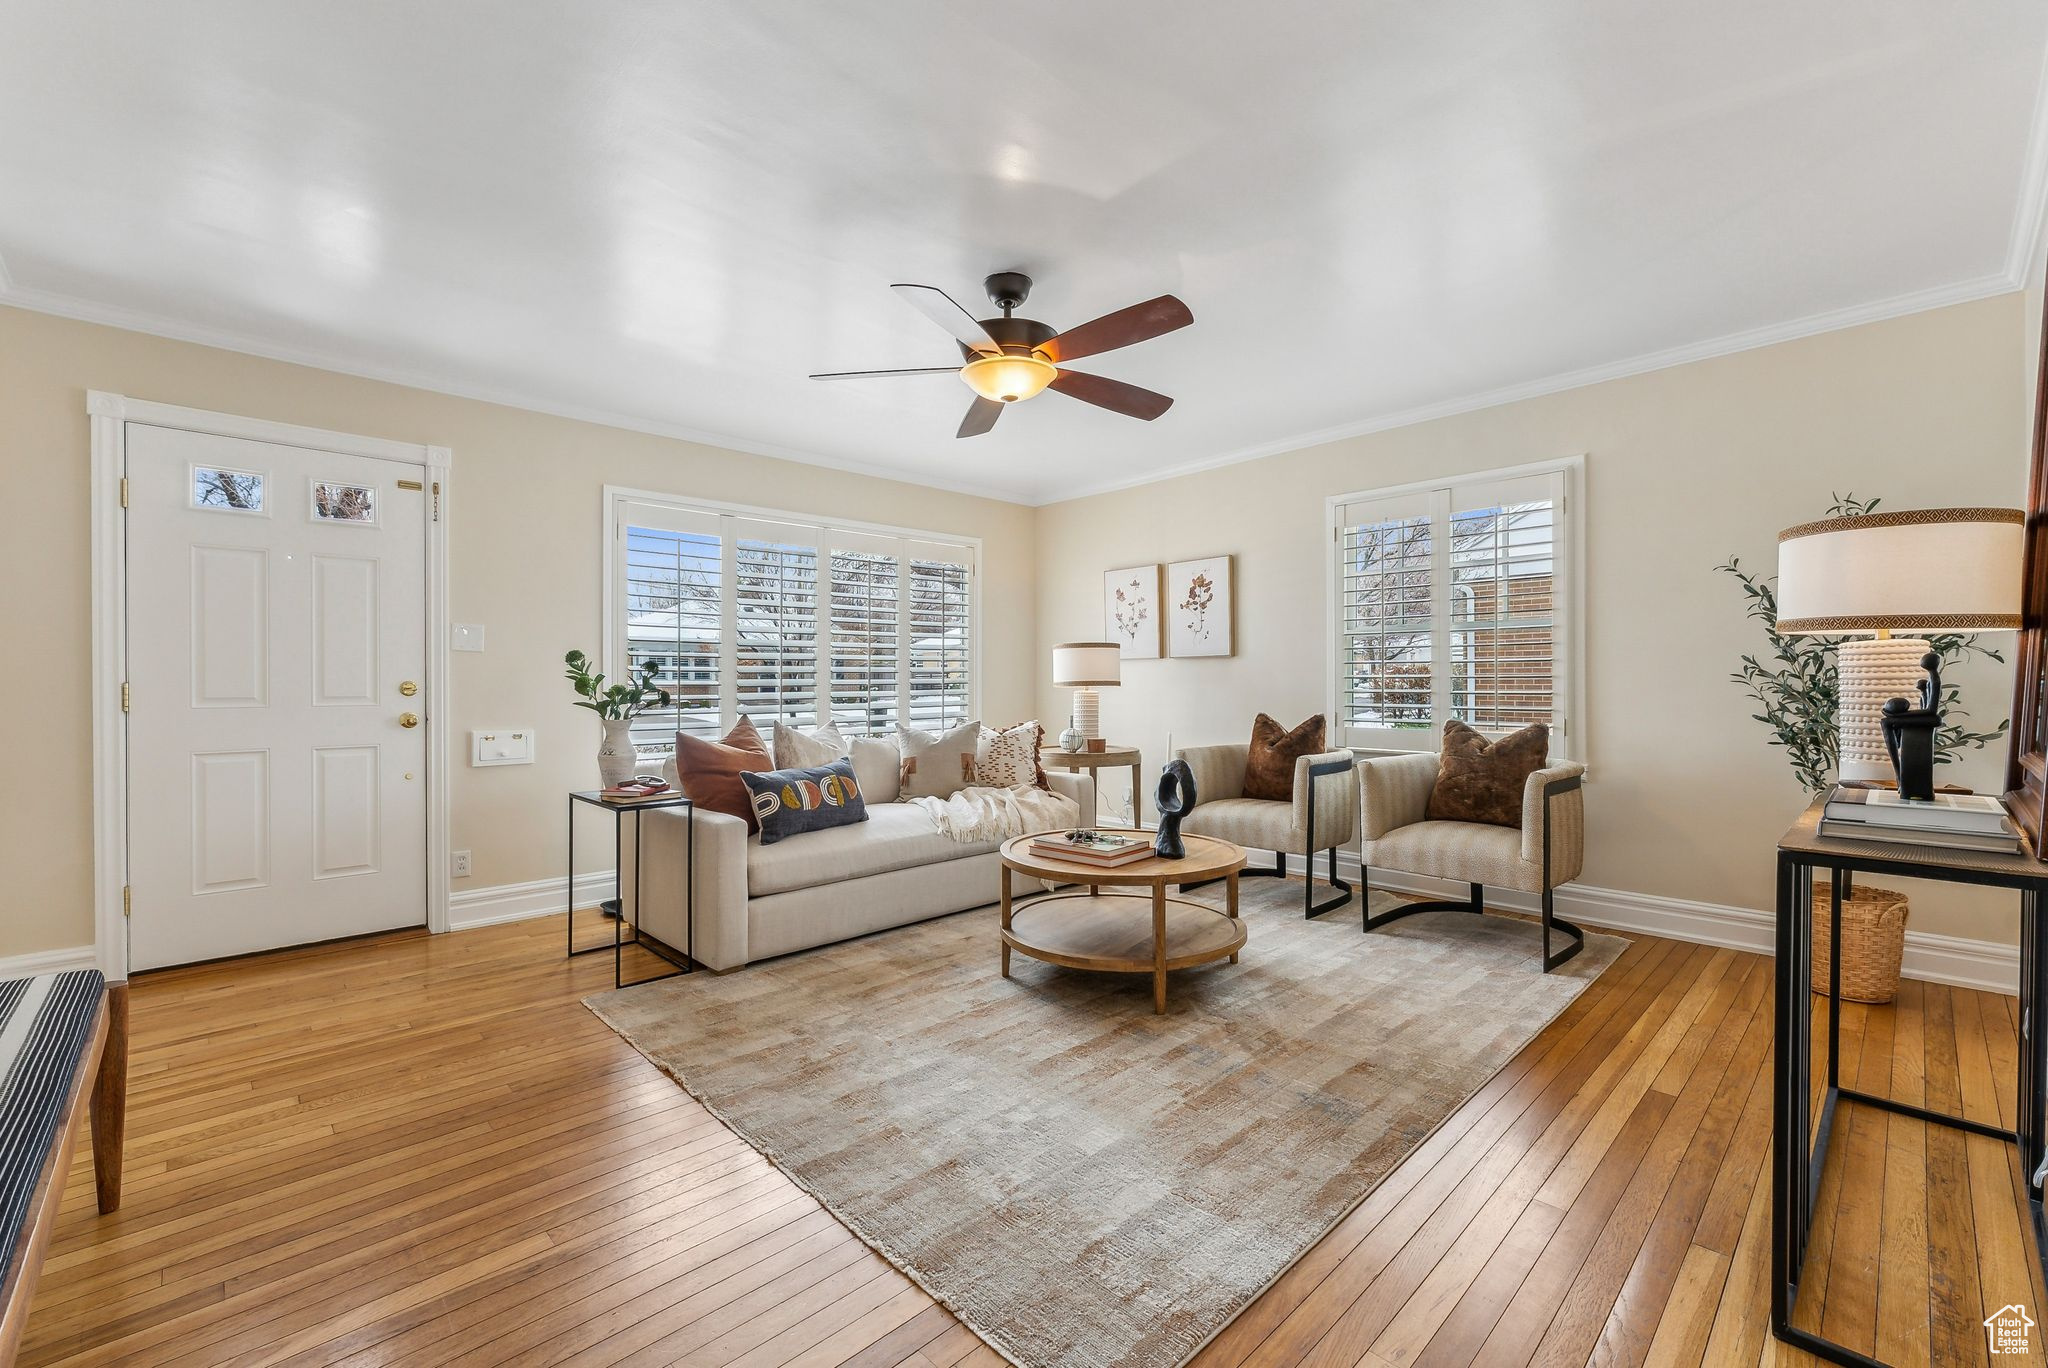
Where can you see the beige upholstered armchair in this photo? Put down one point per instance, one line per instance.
(1323, 815)
(1548, 849)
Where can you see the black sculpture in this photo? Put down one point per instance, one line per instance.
(1176, 794)
(1909, 734)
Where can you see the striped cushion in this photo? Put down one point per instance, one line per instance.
(45, 1027)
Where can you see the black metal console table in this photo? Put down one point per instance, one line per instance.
(616, 909)
(1795, 1165)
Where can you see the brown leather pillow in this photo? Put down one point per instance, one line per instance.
(1482, 781)
(1269, 765)
(708, 772)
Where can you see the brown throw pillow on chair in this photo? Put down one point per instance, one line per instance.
(1481, 781)
(1269, 765)
(708, 772)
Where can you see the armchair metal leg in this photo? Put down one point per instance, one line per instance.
(1312, 908)
(1475, 903)
(1552, 920)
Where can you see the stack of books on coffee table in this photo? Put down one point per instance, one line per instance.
(1103, 848)
(1951, 821)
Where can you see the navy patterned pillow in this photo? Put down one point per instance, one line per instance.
(790, 802)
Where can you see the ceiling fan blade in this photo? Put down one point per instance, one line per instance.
(981, 416)
(1119, 329)
(1132, 401)
(869, 375)
(942, 309)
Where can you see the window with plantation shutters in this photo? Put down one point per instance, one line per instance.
(787, 619)
(1452, 601)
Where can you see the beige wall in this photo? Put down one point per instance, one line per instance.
(1683, 467)
(525, 561)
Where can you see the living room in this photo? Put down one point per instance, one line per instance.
(1458, 397)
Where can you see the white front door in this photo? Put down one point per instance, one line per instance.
(276, 724)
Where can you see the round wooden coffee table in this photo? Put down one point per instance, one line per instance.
(1123, 933)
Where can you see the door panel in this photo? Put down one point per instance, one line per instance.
(276, 603)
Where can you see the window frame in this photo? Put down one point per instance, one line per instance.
(618, 499)
(1568, 739)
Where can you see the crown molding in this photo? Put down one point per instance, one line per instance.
(1919, 301)
(156, 325)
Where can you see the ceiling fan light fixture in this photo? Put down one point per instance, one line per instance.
(1008, 379)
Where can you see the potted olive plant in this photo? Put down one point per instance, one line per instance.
(1795, 686)
(616, 706)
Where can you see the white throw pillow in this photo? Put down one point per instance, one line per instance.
(807, 750)
(938, 766)
(878, 767)
(1007, 757)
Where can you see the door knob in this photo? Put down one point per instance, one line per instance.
(408, 720)
(408, 688)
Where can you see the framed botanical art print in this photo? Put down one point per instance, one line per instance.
(1130, 611)
(1198, 608)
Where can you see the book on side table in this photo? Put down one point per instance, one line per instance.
(1951, 821)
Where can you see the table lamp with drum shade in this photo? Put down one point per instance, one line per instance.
(1084, 667)
(1922, 570)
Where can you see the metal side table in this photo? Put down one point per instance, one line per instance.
(1796, 1166)
(616, 909)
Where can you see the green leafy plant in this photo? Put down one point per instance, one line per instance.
(619, 702)
(1795, 683)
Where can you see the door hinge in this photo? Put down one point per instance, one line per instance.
(127, 899)
(124, 695)
(124, 491)
(437, 501)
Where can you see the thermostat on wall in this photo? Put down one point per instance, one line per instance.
(501, 747)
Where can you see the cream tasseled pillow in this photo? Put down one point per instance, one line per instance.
(938, 766)
(1007, 757)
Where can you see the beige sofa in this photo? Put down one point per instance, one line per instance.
(754, 902)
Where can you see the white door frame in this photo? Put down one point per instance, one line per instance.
(111, 414)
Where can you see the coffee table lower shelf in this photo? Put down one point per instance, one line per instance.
(1116, 933)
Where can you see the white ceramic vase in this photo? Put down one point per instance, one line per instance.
(617, 761)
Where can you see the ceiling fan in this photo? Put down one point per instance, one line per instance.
(1011, 359)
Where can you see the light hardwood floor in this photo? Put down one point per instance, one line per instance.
(423, 1150)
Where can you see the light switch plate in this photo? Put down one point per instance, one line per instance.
(502, 746)
(466, 636)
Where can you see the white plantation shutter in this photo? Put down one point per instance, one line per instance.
(775, 595)
(673, 597)
(941, 628)
(1449, 603)
(788, 619)
(867, 648)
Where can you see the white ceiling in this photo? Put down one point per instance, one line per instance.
(665, 215)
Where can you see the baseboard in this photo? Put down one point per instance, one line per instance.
(1930, 957)
(48, 962)
(474, 907)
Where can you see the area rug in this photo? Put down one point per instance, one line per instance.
(1079, 1180)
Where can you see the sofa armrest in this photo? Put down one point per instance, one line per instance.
(1567, 809)
(1218, 770)
(1394, 792)
(720, 862)
(1078, 785)
(1336, 796)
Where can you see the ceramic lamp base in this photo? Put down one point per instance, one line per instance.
(1872, 671)
(1088, 713)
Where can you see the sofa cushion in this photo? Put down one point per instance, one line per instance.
(1255, 822)
(878, 764)
(895, 836)
(798, 749)
(1482, 781)
(938, 766)
(708, 772)
(791, 802)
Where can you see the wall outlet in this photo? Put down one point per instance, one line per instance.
(461, 862)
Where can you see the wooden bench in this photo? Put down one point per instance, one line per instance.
(63, 1053)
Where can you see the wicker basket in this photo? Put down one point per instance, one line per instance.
(1873, 942)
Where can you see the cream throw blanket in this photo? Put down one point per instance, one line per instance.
(975, 815)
